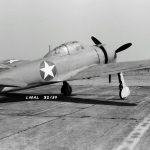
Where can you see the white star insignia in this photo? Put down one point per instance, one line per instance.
(47, 70)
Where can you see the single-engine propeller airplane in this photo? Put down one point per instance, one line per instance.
(62, 64)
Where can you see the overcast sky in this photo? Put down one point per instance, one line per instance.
(27, 27)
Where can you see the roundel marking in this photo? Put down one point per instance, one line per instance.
(47, 70)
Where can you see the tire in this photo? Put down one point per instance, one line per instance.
(66, 90)
(124, 92)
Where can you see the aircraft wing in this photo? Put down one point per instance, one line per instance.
(12, 83)
(113, 68)
(89, 72)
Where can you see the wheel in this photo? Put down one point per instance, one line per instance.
(124, 92)
(66, 89)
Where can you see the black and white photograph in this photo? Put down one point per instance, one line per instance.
(74, 75)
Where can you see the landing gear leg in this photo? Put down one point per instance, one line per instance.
(124, 91)
(66, 89)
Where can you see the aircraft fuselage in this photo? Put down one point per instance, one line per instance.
(55, 68)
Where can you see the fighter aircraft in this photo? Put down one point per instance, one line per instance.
(62, 64)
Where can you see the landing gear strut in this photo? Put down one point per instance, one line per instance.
(124, 91)
(66, 89)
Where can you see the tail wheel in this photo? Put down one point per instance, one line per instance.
(66, 89)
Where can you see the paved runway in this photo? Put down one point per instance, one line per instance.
(93, 118)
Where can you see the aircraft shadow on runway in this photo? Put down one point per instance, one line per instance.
(17, 97)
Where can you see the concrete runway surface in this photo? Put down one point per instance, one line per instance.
(93, 118)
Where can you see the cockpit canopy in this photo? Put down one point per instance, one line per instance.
(66, 49)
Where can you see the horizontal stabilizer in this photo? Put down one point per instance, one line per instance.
(2, 66)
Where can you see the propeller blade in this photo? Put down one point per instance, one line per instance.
(95, 40)
(123, 47)
(100, 45)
